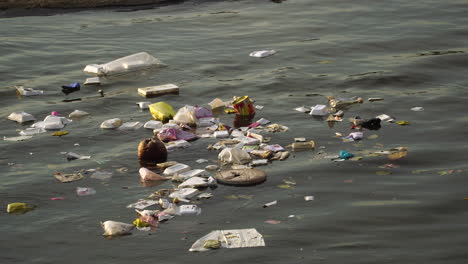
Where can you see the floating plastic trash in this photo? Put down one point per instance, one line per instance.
(216, 103)
(85, 191)
(131, 63)
(67, 89)
(154, 91)
(186, 115)
(221, 134)
(148, 175)
(74, 156)
(142, 204)
(111, 123)
(21, 117)
(195, 182)
(237, 238)
(262, 53)
(319, 110)
(20, 138)
(345, 155)
(178, 168)
(153, 124)
(417, 109)
(113, 228)
(78, 114)
(234, 156)
(68, 177)
(270, 204)
(131, 126)
(19, 208)
(28, 91)
(188, 209)
(30, 131)
(302, 109)
(243, 106)
(241, 177)
(93, 81)
(185, 193)
(172, 134)
(385, 118)
(161, 111)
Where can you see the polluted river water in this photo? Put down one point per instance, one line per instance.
(409, 208)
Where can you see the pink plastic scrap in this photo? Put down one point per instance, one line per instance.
(54, 113)
(254, 125)
(173, 134)
(202, 112)
(57, 198)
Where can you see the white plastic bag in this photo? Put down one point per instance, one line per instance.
(238, 238)
(111, 123)
(21, 117)
(186, 115)
(113, 228)
(234, 156)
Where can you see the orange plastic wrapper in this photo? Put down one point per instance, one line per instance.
(243, 106)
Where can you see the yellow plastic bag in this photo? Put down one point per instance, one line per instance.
(18, 208)
(161, 111)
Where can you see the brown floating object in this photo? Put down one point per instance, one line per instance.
(241, 177)
(152, 150)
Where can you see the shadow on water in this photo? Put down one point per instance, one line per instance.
(22, 12)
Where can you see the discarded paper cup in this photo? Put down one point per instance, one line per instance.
(241, 177)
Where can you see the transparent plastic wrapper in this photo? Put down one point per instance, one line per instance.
(21, 117)
(113, 228)
(131, 63)
(162, 111)
(238, 238)
(319, 110)
(186, 115)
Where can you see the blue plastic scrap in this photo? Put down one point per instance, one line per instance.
(345, 155)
